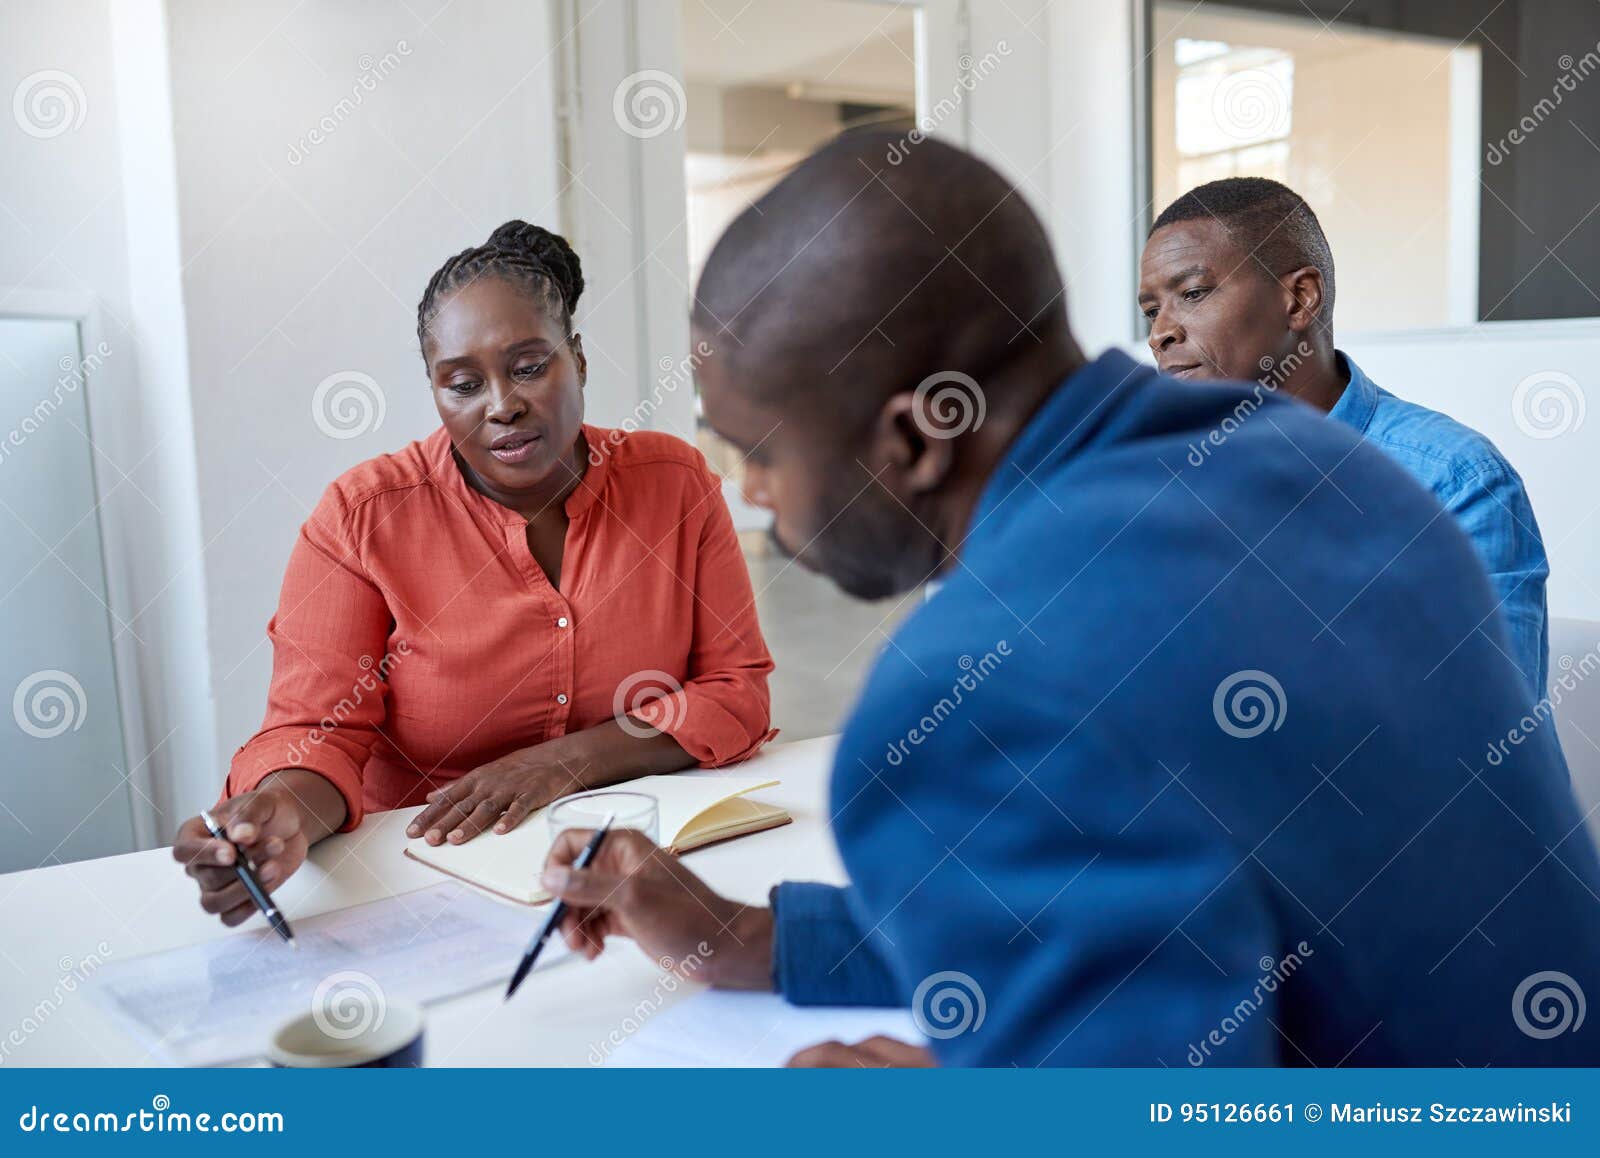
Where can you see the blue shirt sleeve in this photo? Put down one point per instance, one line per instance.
(821, 955)
(1493, 508)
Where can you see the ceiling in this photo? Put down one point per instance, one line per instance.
(837, 49)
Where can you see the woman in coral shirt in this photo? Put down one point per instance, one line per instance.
(517, 607)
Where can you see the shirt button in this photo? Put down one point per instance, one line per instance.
(561, 699)
(562, 622)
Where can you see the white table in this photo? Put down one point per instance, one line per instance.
(55, 918)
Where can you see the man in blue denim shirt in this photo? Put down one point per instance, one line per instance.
(1185, 762)
(1237, 283)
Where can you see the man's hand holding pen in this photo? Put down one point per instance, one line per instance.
(635, 889)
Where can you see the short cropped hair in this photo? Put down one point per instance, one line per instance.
(1269, 219)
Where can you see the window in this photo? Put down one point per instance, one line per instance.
(767, 82)
(1239, 93)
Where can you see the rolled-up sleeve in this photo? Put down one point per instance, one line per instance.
(329, 665)
(723, 712)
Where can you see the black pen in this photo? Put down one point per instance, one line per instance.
(245, 870)
(536, 946)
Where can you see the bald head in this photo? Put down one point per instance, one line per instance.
(877, 332)
(855, 277)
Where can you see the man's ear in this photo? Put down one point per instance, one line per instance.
(1306, 298)
(575, 344)
(912, 450)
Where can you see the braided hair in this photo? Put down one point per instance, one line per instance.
(528, 256)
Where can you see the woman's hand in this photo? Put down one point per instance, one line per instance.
(265, 826)
(501, 793)
(275, 826)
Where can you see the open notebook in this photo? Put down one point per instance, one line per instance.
(695, 809)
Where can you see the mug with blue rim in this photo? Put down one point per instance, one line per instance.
(388, 1037)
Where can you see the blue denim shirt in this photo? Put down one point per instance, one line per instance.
(1473, 481)
(1168, 769)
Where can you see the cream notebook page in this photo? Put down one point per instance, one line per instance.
(694, 808)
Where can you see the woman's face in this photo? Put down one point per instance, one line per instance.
(508, 383)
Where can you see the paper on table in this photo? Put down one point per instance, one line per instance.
(750, 1029)
(220, 1001)
(509, 864)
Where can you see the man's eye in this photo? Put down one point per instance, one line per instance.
(463, 387)
(1194, 295)
(1150, 314)
(532, 369)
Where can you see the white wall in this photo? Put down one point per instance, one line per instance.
(76, 209)
(1008, 121)
(305, 257)
(1473, 374)
(1092, 209)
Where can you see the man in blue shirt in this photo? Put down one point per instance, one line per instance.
(1237, 283)
(1186, 762)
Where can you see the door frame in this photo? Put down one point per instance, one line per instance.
(628, 234)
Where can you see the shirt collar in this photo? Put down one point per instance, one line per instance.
(442, 465)
(589, 488)
(1359, 401)
(1071, 416)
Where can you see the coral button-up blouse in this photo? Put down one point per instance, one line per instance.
(417, 638)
